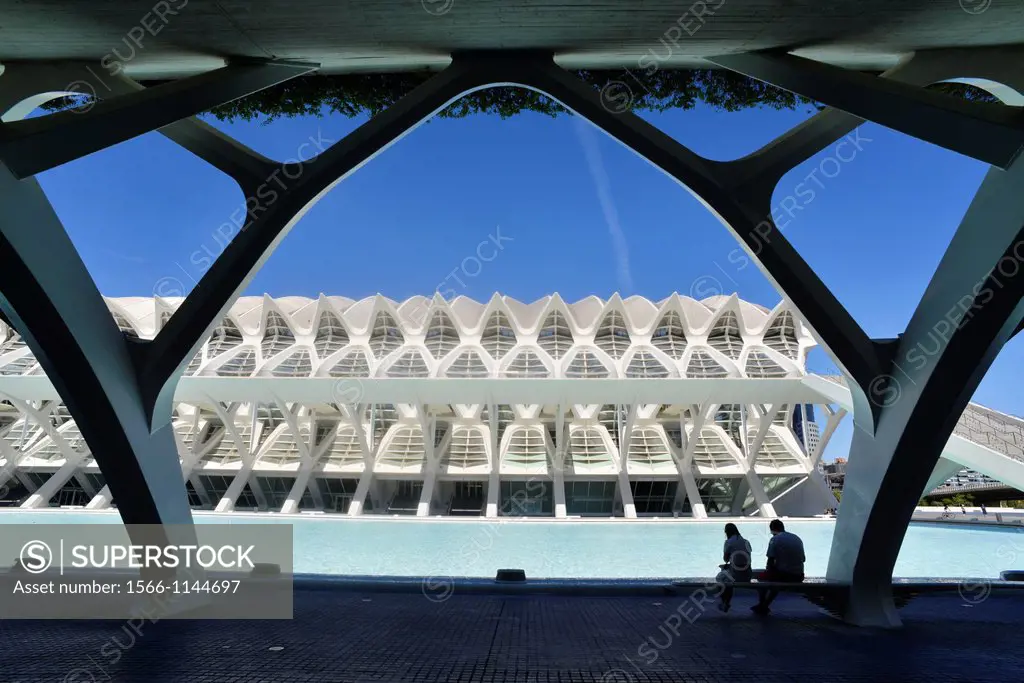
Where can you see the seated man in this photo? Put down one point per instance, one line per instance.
(785, 564)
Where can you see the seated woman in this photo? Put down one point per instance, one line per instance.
(737, 564)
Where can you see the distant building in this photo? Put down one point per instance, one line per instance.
(809, 439)
(835, 473)
(964, 480)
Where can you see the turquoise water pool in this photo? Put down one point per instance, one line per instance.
(567, 549)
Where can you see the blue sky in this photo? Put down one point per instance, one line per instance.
(585, 216)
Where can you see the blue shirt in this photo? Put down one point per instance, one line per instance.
(788, 551)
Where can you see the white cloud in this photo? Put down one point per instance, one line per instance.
(595, 163)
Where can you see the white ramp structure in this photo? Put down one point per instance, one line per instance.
(984, 440)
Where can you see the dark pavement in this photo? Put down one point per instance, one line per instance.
(357, 637)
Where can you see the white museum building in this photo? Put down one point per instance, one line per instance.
(599, 408)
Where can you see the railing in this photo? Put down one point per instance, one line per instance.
(970, 487)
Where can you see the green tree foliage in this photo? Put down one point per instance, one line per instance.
(360, 94)
(959, 499)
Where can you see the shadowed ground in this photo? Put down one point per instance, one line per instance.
(356, 637)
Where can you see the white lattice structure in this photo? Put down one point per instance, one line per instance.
(330, 404)
(614, 408)
(300, 404)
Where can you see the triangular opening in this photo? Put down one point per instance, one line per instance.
(385, 336)
(725, 336)
(669, 336)
(613, 336)
(555, 337)
(331, 335)
(498, 337)
(277, 336)
(442, 336)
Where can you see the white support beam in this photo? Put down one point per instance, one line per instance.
(227, 501)
(428, 423)
(306, 469)
(494, 478)
(257, 490)
(49, 433)
(689, 490)
(765, 419)
(26, 481)
(198, 451)
(355, 508)
(306, 462)
(299, 486)
(197, 484)
(701, 415)
(557, 463)
(227, 418)
(834, 418)
(625, 438)
(72, 459)
(371, 450)
(697, 506)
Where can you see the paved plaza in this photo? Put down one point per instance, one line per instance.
(359, 637)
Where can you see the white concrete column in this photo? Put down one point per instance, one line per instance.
(628, 506)
(558, 481)
(227, 503)
(751, 450)
(625, 438)
(355, 508)
(558, 462)
(291, 504)
(494, 478)
(426, 496)
(429, 426)
(693, 494)
(692, 440)
(201, 491)
(764, 506)
(257, 491)
(311, 455)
